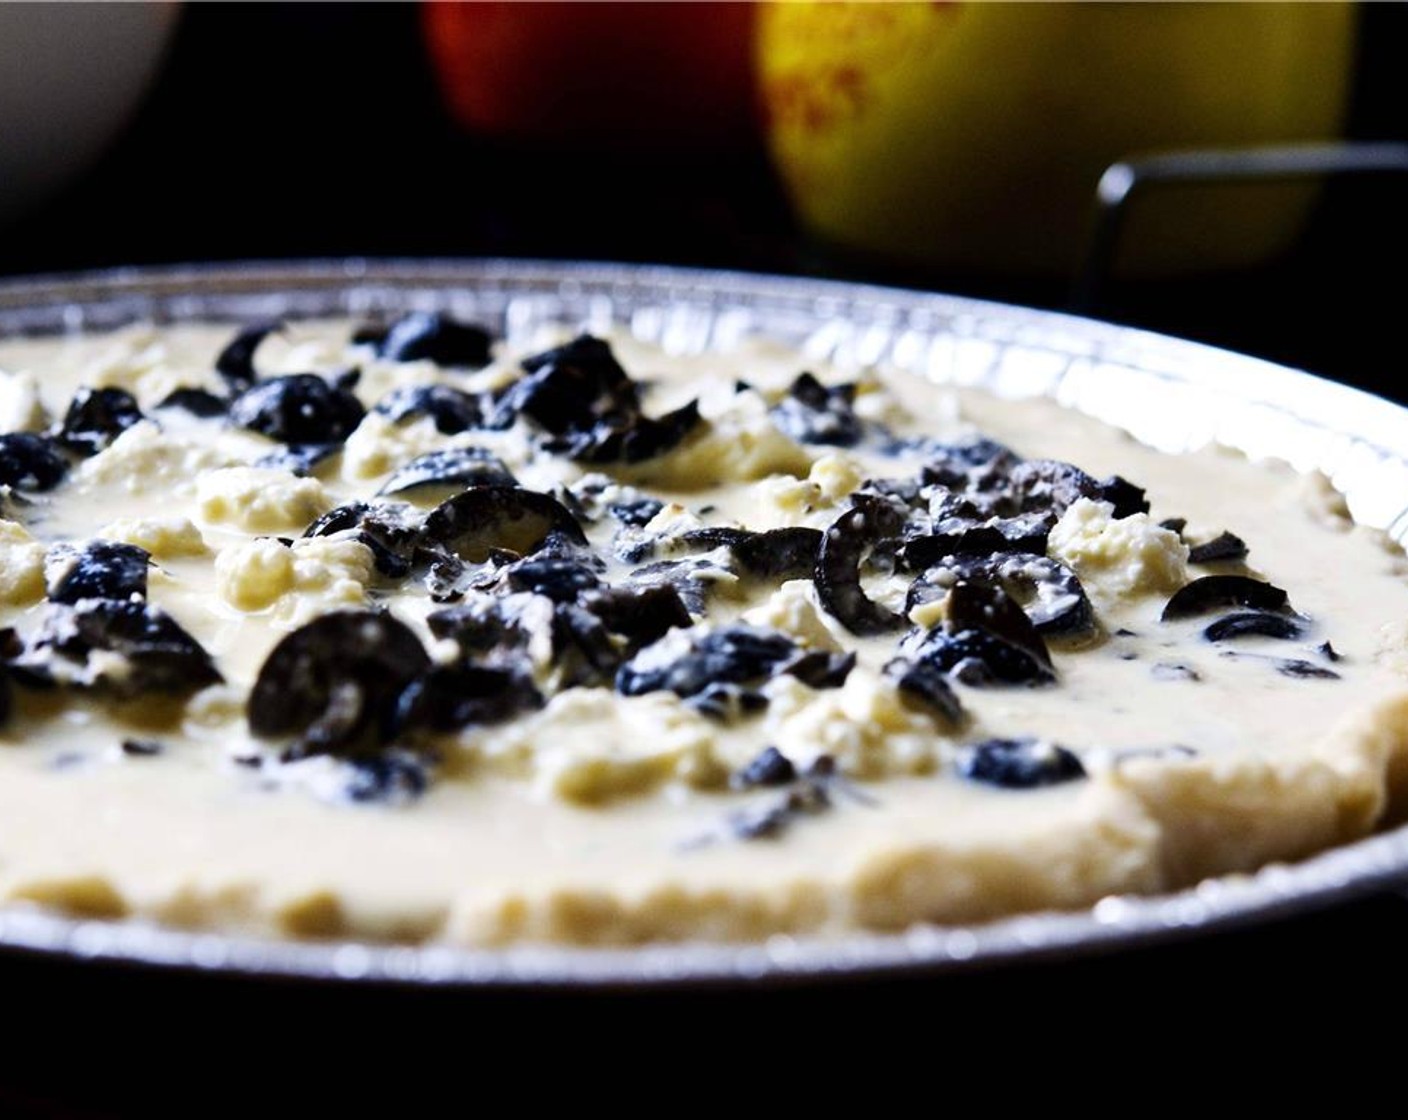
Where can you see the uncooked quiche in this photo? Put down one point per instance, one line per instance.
(388, 630)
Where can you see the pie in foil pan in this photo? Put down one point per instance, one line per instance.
(1171, 395)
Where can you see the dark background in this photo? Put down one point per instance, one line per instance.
(293, 130)
(287, 131)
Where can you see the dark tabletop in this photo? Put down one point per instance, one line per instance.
(297, 152)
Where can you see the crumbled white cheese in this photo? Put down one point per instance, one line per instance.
(138, 360)
(740, 444)
(864, 725)
(380, 445)
(785, 500)
(310, 578)
(260, 499)
(253, 575)
(128, 353)
(1130, 556)
(589, 745)
(163, 537)
(156, 384)
(215, 707)
(672, 520)
(928, 615)
(793, 609)
(329, 573)
(836, 475)
(144, 459)
(21, 566)
(875, 402)
(21, 409)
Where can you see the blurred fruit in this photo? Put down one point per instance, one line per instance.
(972, 135)
(659, 74)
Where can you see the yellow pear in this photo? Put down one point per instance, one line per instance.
(972, 135)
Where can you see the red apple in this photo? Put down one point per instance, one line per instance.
(657, 74)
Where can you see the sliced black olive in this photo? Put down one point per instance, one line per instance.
(986, 639)
(95, 418)
(692, 579)
(1019, 764)
(141, 748)
(336, 683)
(1261, 624)
(338, 520)
(1174, 524)
(298, 458)
(570, 387)
(384, 529)
(806, 797)
(370, 334)
(956, 466)
(632, 546)
(434, 336)
(452, 410)
(732, 655)
(770, 767)
(97, 570)
(392, 776)
(451, 466)
(1294, 667)
(447, 578)
(903, 491)
(580, 394)
(496, 629)
(301, 408)
(761, 822)
(1127, 498)
(485, 518)
(236, 362)
(636, 514)
(583, 652)
(632, 438)
(31, 462)
(450, 697)
(1022, 534)
(1208, 593)
(1224, 546)
(821, 668)
(158, 655)
(925, 682)
(837, 574)
(786, 553)
(563, 579)
(1328, 652)
(1048, 591)
(727, 701)
(642, 615)
(1006, 486)
(1042, 485)
(974, 607)
(198, 402)
(813, 413)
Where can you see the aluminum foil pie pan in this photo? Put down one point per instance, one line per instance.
(1171, 394)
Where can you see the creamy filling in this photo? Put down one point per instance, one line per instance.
(598, 816)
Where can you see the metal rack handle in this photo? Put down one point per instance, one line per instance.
(1122, 181)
